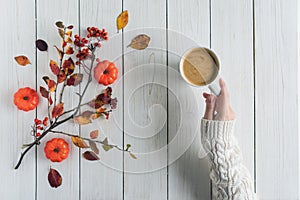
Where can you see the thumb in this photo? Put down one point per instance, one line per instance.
(210, 106)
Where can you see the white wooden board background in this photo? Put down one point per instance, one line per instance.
(258, 45)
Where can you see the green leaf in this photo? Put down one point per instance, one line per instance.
(107, 147)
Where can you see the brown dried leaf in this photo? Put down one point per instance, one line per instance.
(41, 45)
(68, 66)
(50, 100)
(94, 147)
(75, 79)
(61, 33)
(89, 155)
(61, 76)
(132, 155)
(22, 60)
(54, 178)
(58, 110)
(60, 52)
(44, 92)
(79, 142)
(51, 83)
(59, 24)
(54, 67)
(69, 50)
(122, 20)
(94, 134)
(82, 120)
(140, 42)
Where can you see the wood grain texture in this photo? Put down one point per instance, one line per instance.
(276, 99)
(48, 13)
(18, 38)
(145, 102)
(189, 24)
(231, 38)
(104, 180)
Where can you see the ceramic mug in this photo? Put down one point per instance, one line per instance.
(200, 67)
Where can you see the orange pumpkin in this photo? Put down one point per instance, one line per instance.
(26, 99)
(56, 149)
(105, 72)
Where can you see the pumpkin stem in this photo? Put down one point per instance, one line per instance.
(25, 98)
(56, 150)
(105, 72)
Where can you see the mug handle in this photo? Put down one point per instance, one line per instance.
(214, 87)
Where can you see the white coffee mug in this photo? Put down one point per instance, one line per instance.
(203, 67)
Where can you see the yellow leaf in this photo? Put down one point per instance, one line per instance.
(132, 156)
(82, 120)
(22, 60)
(122, 20)
(78, 141)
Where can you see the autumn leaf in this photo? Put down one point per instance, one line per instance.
(69, 50)
(132, 155)
(79, 142)
(54, 178)
(68, 66)
(140, 42)
(61, 33)
(58, 110)
(94, 134)
(89, 155)
(69, 33)
(94, 147)
(87, 113)
(60, 52)
(70, 27)
(122, 20)
(61, 76)
(82, 120)
(59, 24)
(22, 60)
(50, 100)
(51, 83)
(107, 147)
(44, 92)
(75, 79)
(54, 67)
(41, 45)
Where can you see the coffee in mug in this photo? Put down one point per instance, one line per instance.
(200, 67)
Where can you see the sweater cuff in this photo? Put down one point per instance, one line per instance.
(213, 129)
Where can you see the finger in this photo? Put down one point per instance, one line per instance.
(223, 87)
(210, 107)
(206, 95)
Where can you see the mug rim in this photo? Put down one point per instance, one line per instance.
(213, 56)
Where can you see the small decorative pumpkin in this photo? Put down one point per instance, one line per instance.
(26, 99)
(56, 149)
(105, 72)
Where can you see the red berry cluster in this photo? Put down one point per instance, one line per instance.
(83, 54)
(40, 125)
(95, 32)
(80, 42)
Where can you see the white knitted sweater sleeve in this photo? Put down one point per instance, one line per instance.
(230, 179)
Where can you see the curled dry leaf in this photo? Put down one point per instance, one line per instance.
(54, 178)
(61, 76)
(41, 45)
(132, 155)
(94, 147)
(122, 20)
(58, 110)
(22, 60)
(140, 42)
(51, 83)
(82, 120)
(75, 79)
(89, 155)
(94, 134)
(68, 66)
(60, 52)
(54, 67)
(79, 142)
(44, 92)
(69, 51)
(59, 24)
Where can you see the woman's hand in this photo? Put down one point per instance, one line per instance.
(218, 107)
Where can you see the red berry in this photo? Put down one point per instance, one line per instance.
(38, 135)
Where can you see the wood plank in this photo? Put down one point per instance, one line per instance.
(189, 26)
(18, 38)
(145, 102)
(231, 38)
(276, 99)
(49, 12)
(104, 180)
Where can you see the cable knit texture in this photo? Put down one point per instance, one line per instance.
(230, 179)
